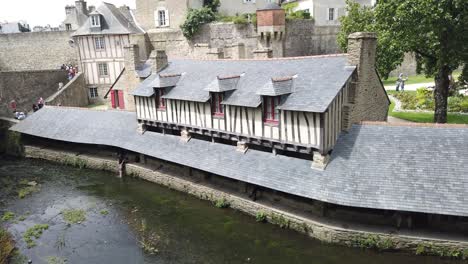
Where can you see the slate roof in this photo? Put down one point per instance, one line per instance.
(278, 87)
(417, 169)
(113, 22)
(223, 84)
(319, 79)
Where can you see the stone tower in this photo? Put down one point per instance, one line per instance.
(271, 28)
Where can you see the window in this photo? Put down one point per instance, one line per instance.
(270, 109)
(95, 21)
(99, 43)
(102, 69)
(68, 27)
(160, 102)
(162, 17)
(217, 107)
(93, 92)
(331, 14)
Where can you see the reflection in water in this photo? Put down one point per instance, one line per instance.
(133, 221)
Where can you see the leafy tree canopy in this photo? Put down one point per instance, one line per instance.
(195, 19)
(435, 30)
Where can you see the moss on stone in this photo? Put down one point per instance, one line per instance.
(74, 216)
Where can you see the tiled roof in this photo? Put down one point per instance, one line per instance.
(417, 169)
(318, 81)
(278, 87)
(113, 22)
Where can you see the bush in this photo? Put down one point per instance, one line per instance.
(240, 20)
(301, 14)
(260, 216)
(222, 203)
(195, 19)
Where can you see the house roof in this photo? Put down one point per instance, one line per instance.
(318, 80)
(416, 169)
(113, 22)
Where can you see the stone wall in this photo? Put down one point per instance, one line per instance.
(238, 41)
(36, 51)
(303, 38)
(326, 231)
(73, 94)
(26, 87)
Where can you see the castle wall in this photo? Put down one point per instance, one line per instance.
(302, 38)
(36, 51)
(26, 87)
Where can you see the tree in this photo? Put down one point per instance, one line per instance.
(434, 30)
(212, 4)
(361, 19)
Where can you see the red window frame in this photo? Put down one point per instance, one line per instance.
(270, 111)
(217, 107)
(160, 102)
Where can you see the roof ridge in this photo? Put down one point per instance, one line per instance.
(404, 124)
(264, 59)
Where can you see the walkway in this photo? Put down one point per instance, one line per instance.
(411, 87)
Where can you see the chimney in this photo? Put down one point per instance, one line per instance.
(159, 60)
(263, 54)
(91, 9)
(132, 57)
(362, 48)
(81, 6)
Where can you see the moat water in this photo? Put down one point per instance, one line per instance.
(133, 221)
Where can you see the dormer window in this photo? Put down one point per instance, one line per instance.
(216, 106)
(95, 21)
(270, 109)
(160, 102)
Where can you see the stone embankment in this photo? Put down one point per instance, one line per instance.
(318, 230)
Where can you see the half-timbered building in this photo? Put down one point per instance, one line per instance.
(100, 42)
(292, 106)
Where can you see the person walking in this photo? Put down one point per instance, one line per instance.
(40, 103)
(400, 83)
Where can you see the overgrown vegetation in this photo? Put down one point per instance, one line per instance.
(426, 117)
(195, 19)
(56, 260)
(423, 99)
(7, 216)
(291, 14)
(75, 162)
(104, 212)
(371, 241)
(7, 246)
(27, 190)
(261, 216)
(279, 220)
(222, 203)
(238, 19)
(430, 249)
(74, 216)
(32, 233)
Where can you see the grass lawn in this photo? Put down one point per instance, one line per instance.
(420, 78)
(411, 80)
(426, 117)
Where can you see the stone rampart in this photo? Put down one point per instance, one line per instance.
(73, 94)
(238, 41)
(26, 87)
(36, 51)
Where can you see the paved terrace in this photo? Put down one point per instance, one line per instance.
(381, 166)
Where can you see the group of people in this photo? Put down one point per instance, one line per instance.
(22, 115)
(71, 70)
